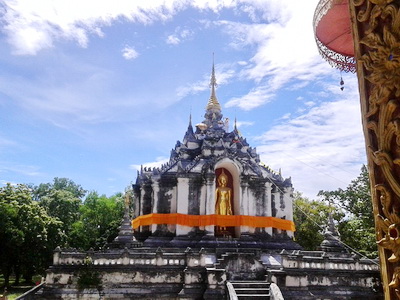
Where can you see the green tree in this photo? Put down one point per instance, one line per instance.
(100, 217)
(62, 199)
(41, 234)
(35, 220)
(10, 235)
(311, 219)
(357, 229)
(63, 205)
(27, 233)
(60, 184)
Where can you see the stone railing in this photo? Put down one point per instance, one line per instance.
(127, 257)
(275, 292)
(30, 295)
(321, 260)
(231, 291)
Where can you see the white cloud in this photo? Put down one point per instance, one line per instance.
(323, 148)
(60, 103)
(179, 36)
(284, 46)
(309, 103)
(31, 26)
(34, 25)
(243, 123)
(285, 51)
(214, 5)
(173, 40)
(186, 33)
(26, 170)
(286, 116)
(129, 53)
(256, 97)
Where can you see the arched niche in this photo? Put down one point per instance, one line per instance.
(234, 172)
(230, 184)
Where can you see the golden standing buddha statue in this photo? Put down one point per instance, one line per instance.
(223, 195)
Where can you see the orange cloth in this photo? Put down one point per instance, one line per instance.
(219, 220)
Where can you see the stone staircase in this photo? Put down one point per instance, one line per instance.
(251, 290)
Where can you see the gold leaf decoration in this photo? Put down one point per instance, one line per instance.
(377, 23)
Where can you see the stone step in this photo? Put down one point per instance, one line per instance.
(250, 284)
(247, 290)
(253, 296)
(251, 290)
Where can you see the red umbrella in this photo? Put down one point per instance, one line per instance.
(332, 30)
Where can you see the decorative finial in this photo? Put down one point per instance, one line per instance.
(127, 203)
(213, 81)
(213, 102)
(341, 81)
(127, 200)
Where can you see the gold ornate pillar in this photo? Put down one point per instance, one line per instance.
(376, 34)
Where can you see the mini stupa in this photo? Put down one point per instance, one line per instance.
(213, 187)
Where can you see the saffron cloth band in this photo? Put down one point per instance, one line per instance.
(219, 220)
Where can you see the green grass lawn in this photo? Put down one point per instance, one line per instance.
(16, 290)
(13, 296)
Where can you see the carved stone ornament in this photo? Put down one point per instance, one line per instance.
(376, 30)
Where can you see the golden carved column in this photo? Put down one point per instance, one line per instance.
(376, 33)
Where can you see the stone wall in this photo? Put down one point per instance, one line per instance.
(322, 275)
(173, 273)
(133, 274)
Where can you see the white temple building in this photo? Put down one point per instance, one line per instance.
(182, 197)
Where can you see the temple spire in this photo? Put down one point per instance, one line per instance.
(189, 135)
(213, 103)
(190, 128)
(213, 117)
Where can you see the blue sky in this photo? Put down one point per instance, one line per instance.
(90, 90)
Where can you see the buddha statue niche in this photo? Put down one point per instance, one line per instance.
(223, 195)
